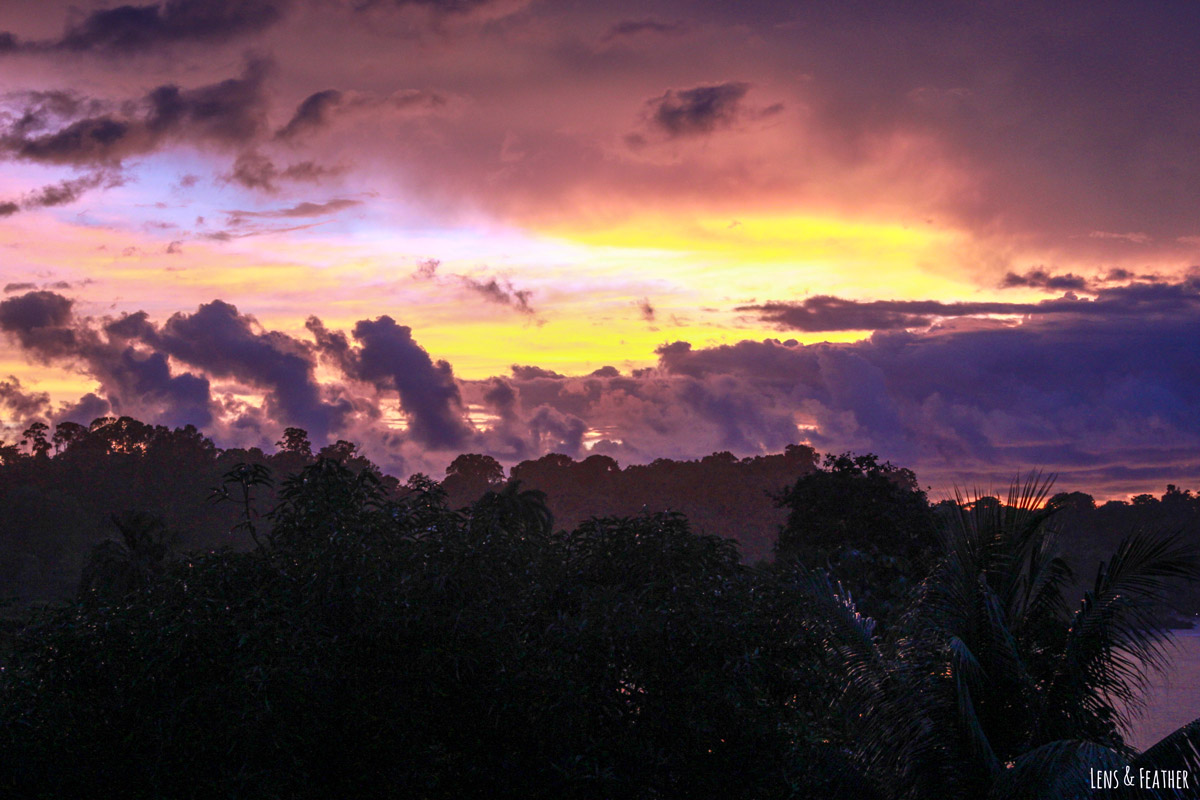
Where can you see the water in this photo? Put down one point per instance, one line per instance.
(1174, 700)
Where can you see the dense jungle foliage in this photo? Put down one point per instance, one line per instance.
(356, 637)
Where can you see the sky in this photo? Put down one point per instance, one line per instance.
(961, 236)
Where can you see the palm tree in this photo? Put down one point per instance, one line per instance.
(989, 686)
(523, 513)
(115, 569)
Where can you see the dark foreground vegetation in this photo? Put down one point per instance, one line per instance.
(360, 638)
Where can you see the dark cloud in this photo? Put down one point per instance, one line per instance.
(129, 29)
(500, 291)
(254, 170)
(223, 343)
(309, 172)
(40, 322)
(527, 373)
(646, 309)
(24, 405)
(426, 270)
(136, 381)
(1101, 395)
(391, 359)
(18, 287)
(501, 398)
(62, 193)
(556, 432)
(447, 7)
(697, 111)
(89, 407)
(228, 113)
(320, 109)
(825, 313)
(146, 378)
(313, 113)
(1039, 278)
(69, 191)
(1062, 392)
(1105, 398)
(301, 210)
(633, 27)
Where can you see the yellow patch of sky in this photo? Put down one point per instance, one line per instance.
(784, 257)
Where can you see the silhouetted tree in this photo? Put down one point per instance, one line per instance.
(295, 440)
(35, 438)
(66, 434)
(868, 522)
(470, 475)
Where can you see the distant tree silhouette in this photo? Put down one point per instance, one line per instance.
(295, 440)
(868, 522)
(341, 451)
(470, 475)
(35, 438)
(66, 434)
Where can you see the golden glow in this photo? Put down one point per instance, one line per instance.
(766, 238)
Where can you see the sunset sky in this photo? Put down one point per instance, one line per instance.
(961, 236)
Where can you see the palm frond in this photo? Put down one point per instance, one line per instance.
(1117, 639)
(1179, 750)
(1059, 769)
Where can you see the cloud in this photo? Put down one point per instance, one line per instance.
(131, 358)
(526, 373)
(696, 111)
(222, 342)
(254, 170)
(646, 309)
(136, 381)
(24, 405)
(313, 113)
(321, 109)
(483, 9)
(627, 28)
(1132, 238)
(496, 290)
(426, 270)
(500, 291)
(302, 210)
(556, 432)
(826, 313)
(228, 113)
(63, 192)
(129, 29)
(1039, 278)
(389, 358)
(86, 409)
(40, 322)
